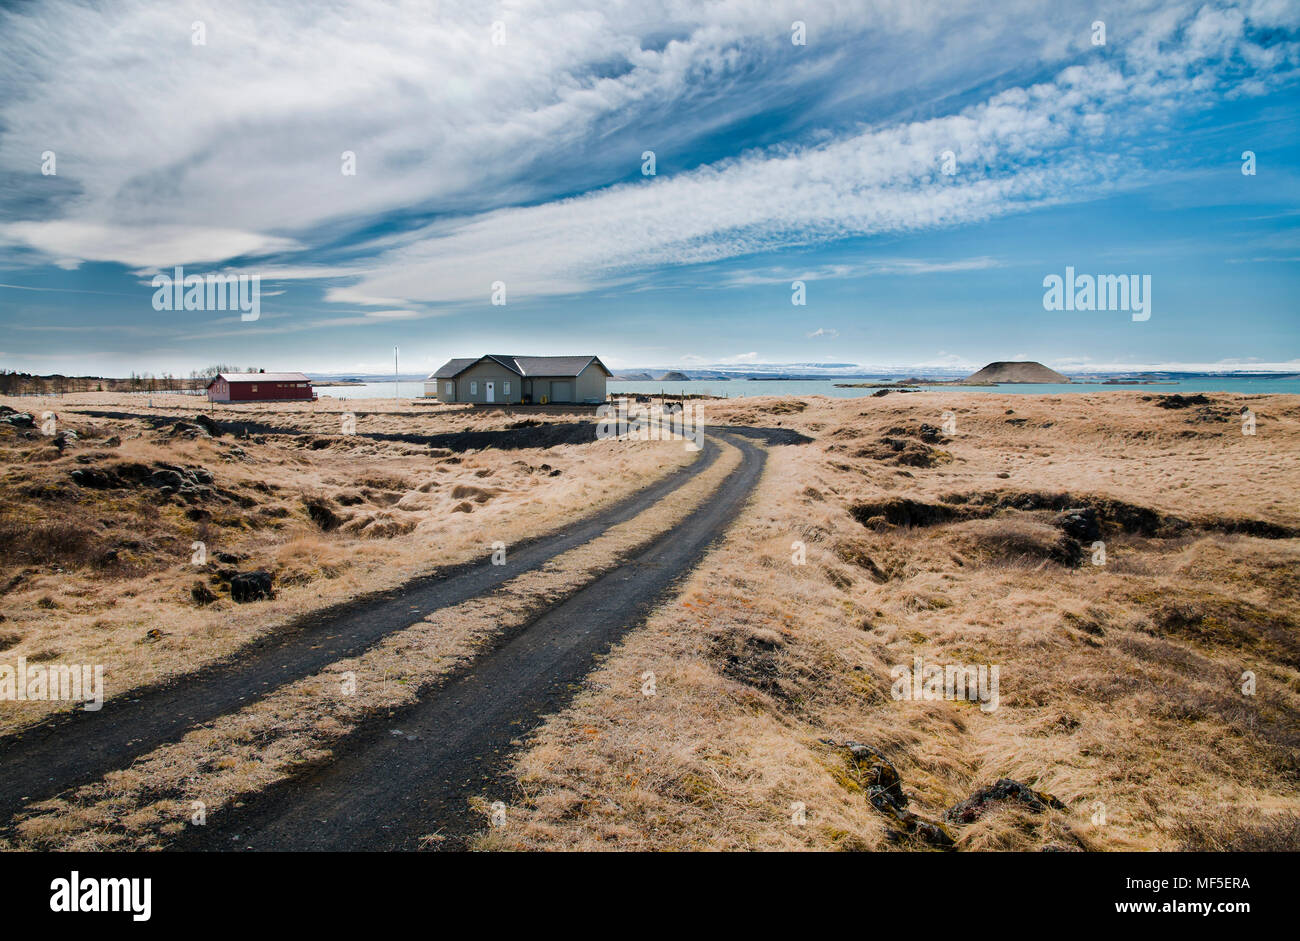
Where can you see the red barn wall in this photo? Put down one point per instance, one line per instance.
(268, 391)
(243, 391)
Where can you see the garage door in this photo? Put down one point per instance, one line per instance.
(561, 392)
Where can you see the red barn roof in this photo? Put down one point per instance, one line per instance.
(260, 377)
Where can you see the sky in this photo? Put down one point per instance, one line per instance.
(920, 167)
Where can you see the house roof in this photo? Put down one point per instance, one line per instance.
(452, 367)
(524, 365)
(260, 377)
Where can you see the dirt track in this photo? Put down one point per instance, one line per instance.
(77, 747)
(402, 777)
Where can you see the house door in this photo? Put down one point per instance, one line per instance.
(490, 391)
(560, 392)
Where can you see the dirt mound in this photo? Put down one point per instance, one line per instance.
(1119, 514)
(904, 512)
(1228, 622)
(1020, 540)
(469, 492)
(904, 452)
(1178, 401)
(322, 515)
(784, 407)
(1027, 371)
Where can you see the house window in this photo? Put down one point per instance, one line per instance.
(505, 387)
(254, 389)
(473, 387)
(449, 388)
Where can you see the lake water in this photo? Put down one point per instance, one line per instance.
(742, 387)
(374, 390)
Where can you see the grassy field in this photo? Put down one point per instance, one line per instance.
(247, 751)
(1121, 683)
(107, 571)
(1129, 563)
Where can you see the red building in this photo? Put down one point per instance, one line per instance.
(260, 387)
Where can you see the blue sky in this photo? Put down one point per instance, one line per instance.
(521, 162)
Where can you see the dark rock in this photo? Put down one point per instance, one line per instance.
(1079, 523)
(132, 471)
(930, 434)
(877, 773)
(166, 478)
(94, 478)
(1005, 789)
(884, 789)
(249, 586)
(18, 420)
(229, 558)
(208, 425)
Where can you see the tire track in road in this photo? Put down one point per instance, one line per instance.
(383, 791)
(75, 748)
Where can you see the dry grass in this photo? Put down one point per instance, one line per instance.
(104, 575)
(239, 754)
(1121, 684)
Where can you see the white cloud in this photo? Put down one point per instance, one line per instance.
(164, 246)
(199, 154)
(875, 266)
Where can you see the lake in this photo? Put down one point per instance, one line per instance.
(1252, 385)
